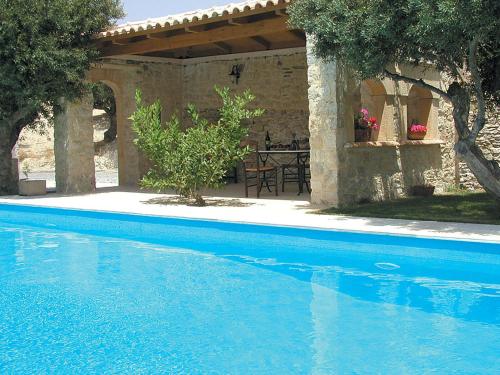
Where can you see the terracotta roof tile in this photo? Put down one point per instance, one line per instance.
(190, 17)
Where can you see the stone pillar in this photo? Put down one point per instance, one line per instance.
(327, 104)
(15, 168)
(74, 147)
(128, 154)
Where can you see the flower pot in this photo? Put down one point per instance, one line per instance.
(362, 134)
(32, 187)
(416, 136)
(422, 190)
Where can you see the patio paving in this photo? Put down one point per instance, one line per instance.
(288, 209)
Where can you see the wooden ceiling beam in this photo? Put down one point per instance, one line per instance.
(231, 21)
(224, 47)
(221, 34)
(155, 36)
(262, 41)
(299, 35)
(120, 42)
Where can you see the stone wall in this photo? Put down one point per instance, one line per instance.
(489, 142)
(279, 83)
(388, 171)
(347, 172)
(157, 81)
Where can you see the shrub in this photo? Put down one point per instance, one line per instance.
(189, 160)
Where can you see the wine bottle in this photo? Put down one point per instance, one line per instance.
(268, 141)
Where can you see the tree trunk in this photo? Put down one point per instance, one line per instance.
(487, 172)
(110, 134)
(7, 183)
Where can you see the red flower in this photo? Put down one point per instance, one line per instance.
(418, 128)
(372, 120)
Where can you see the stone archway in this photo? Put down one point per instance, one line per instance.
(105, 135)
(421, 110)
(74, 141)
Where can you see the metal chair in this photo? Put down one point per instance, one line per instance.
(255, 174)
(299, 173)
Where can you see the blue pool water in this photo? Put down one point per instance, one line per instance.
(84, 292)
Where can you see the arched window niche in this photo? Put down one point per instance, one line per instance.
(421, 111)
(372, 96)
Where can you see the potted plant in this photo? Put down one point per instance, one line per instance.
(364, 125)
(28, 187)
(417, 131)
(424, 190)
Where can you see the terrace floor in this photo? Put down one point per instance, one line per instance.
(229, 205)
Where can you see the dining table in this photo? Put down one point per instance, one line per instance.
(300, 157)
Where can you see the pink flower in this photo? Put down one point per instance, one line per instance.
(364, 111)
(418, 128)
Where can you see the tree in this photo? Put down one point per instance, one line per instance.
(459, 37)
(198, 157)
(45, 52)
(104, 99)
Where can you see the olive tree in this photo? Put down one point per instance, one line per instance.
(45, 51)
(189, 160)
(458, 37)
(104, 99)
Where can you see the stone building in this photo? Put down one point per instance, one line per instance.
(179, 59)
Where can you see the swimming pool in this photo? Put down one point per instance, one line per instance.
(88, 292)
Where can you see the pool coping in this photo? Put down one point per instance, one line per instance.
(390, 226)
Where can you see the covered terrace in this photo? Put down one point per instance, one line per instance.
(178, 60)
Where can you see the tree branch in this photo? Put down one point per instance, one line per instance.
(477, 84)
(19, 120)
(418, 82)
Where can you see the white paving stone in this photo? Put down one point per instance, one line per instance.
(286, 211)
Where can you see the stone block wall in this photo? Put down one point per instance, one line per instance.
(157, 81)
(278, 81)
(347, 172)
(489, 142)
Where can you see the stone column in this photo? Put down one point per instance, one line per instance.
(128, 154)
(329, 110)
(15, 168)
(74, 147)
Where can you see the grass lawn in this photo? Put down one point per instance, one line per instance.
(462, 207)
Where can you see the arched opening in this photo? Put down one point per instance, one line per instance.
(420, 119)
(372, 96)
(35, 153)
(105, 125)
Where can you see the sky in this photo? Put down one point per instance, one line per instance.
(138, 10)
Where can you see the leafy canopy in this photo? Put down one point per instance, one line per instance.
(199, 156)
(45, 50)
(104, 98)
(372, 34)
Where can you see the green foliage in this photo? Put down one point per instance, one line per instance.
(199, 156)
(372, 34)
(456, 206)
(45, 51)
(104, 98)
